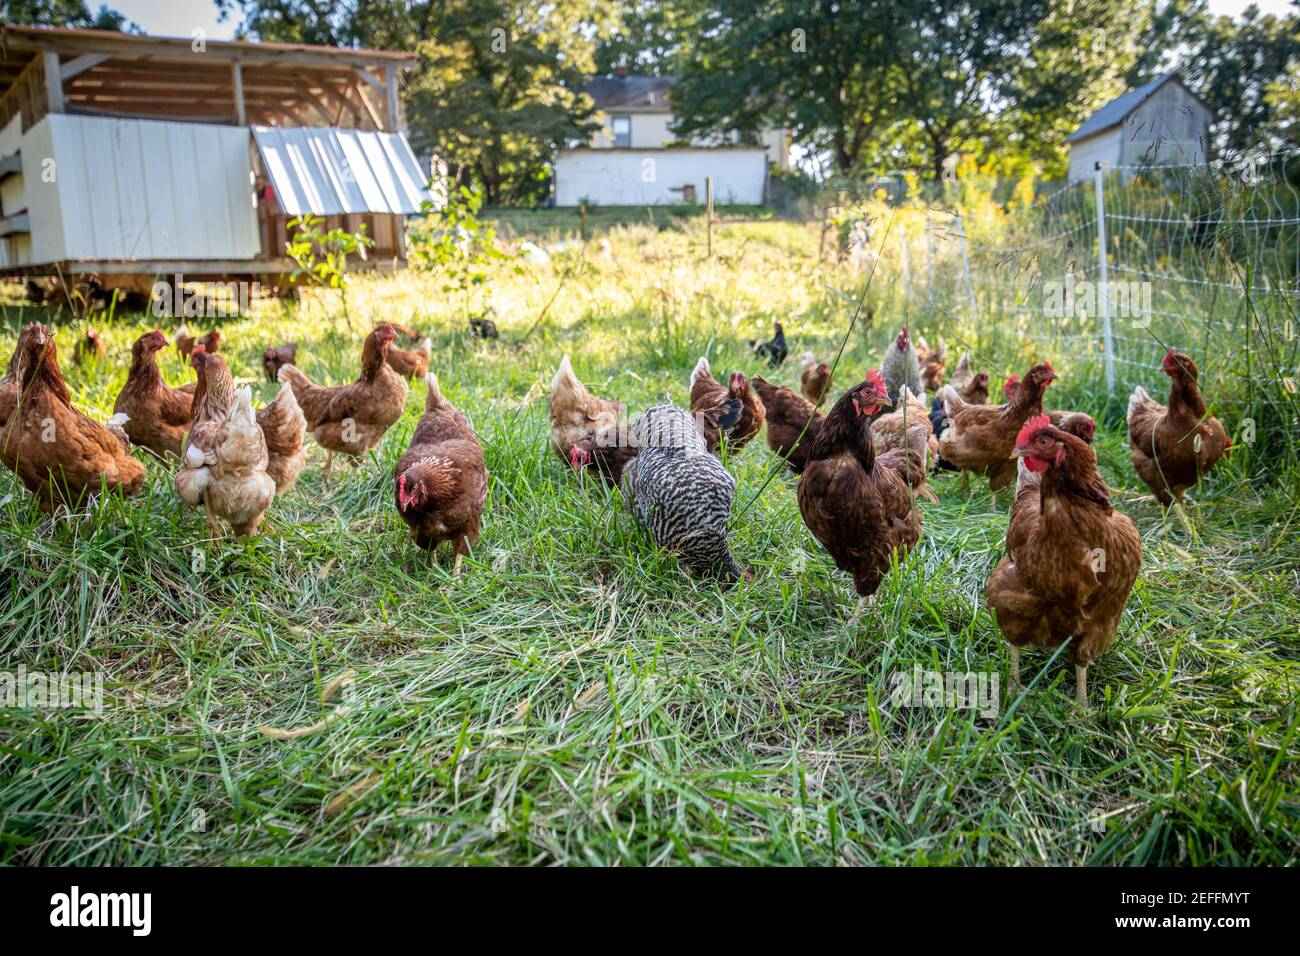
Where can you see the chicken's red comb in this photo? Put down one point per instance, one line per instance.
(1013, 379)
(197, 349)
(1032, 427)
(874, 379)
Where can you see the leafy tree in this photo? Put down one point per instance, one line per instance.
(647, 38)
(824, 69)
(60, 13)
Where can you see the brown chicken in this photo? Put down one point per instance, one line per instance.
(979, 438)
(414, 364)
(186, 343)
(962, 373)
(273, 358)
(224, 466)
(1011, 387)
(816, 380)
(714, 409)
(896, 430)
(1071, 558)
(976, 389)
(62, 456)
(440, 484)
(10, 385)
(576, 413)
(89, 347)
(609, 450)
(1173, 445)
(157, 415)
(855, 502)
(933, 368)
(792, 422)
(1078, 424)
(351, 419)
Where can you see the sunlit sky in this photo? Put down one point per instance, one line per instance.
(182, 17)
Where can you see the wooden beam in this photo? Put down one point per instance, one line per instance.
(371, 79)
(335, 96)
(392, 101)
(53, 81)
(317, 105)
(81, 64)
(237, 77)
(360, 93)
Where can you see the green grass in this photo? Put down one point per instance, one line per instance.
(573, 696)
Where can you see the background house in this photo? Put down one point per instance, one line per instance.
(637, 159)
(134, 157)
(1160, 122)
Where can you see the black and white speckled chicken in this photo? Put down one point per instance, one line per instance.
(680, 493)
(900, 367)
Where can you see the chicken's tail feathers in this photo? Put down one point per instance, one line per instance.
(941, 351)
(293, 375)
(701, 368)
(564, 375)
(951, 400)
(425, 347)
(1135, 401)
(433, 394)
(283, 415)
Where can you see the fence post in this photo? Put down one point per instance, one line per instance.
(1108, 339)
(907, 267)
(965, 268)
(929, 261)
(708, 202)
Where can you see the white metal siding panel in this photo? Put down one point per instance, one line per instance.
(330, 172)
(1086, 153)
(1170, 127)
(44, 199)
(145, 189)
(654, 177)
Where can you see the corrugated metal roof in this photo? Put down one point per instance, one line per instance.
(328, 172)
(1118, 109)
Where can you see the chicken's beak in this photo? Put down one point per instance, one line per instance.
(1019, 452)
(884, 402)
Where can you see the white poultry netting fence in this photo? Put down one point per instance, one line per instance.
(1205, 259)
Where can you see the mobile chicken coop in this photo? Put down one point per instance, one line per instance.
(133, 158)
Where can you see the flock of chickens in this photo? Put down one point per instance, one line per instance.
(1071, 558)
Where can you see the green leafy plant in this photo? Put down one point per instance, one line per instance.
(456, 243)
(322, 255)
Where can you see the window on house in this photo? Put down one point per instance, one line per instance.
(622, 127)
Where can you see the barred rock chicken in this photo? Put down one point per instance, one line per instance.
(855, 502)
(980, 437)
(89, 347)
(792, 422)
(932, 367)
(273, 358)
(1173, 445)
(680, 492)
(440, 484)
(715, 408)
(608, 450)
(412, 364)
(1071, 558)
(158, 416)
(816, 380)
(774, 350)
(61, 456)
(901, 367)
(351, 419)
(575, 412)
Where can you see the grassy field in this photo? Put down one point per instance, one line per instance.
(573, 696)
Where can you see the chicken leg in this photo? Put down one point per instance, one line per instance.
(1081, 686)
(1014, 654)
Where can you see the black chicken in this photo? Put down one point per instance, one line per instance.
(773, 350)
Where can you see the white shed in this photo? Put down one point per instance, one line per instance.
(1159, 123)
(131, 157)
(654, 177)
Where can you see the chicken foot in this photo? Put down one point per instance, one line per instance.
(1014, 654)
(1081, 686)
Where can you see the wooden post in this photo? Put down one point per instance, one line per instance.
(708, 208)
(582, 219)
(237, 79)
(394, 111)
(53, 81)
